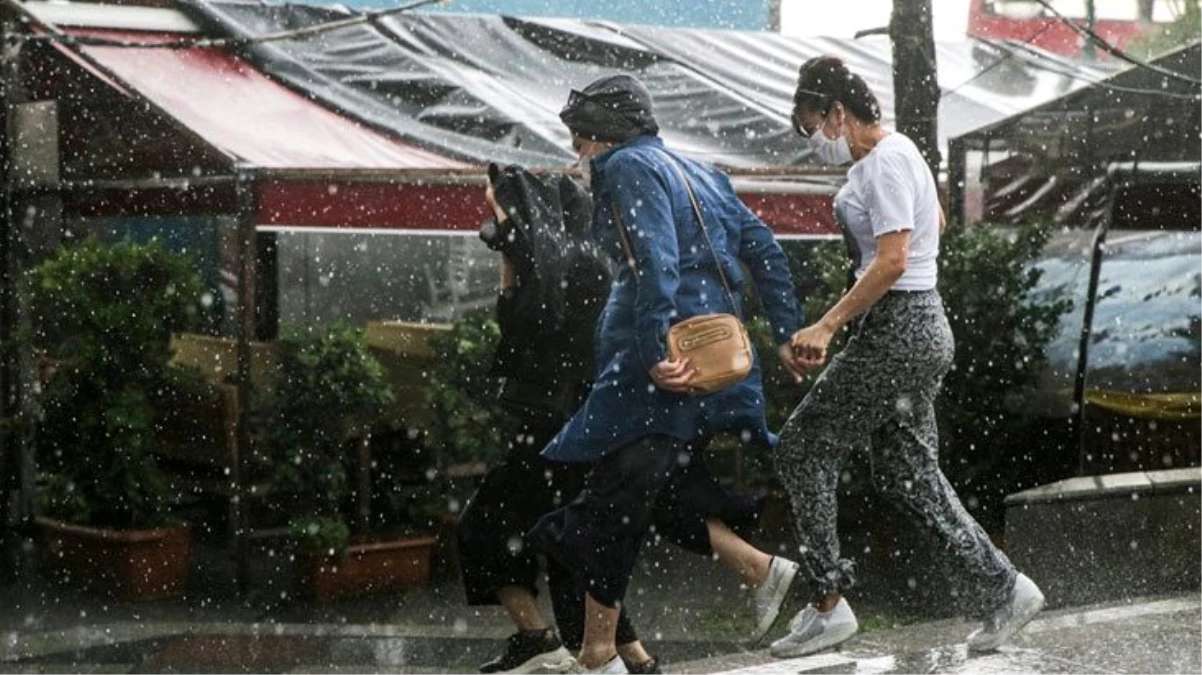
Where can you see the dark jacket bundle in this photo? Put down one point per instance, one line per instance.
(547, 323)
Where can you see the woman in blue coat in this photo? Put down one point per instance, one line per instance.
(640, 426)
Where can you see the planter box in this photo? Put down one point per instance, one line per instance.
(1104, 538)
(367, 568)
(403, 348)
(404, 338)
(217, 357)
(125, 564)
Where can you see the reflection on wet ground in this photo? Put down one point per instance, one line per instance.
(227, 653)
(1154, 635)
(956, 659)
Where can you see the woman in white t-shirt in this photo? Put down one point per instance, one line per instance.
(878, 393)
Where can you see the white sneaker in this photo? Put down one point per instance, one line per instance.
(1025, 602)
(616, 665)
(771, 594)
(811, 631)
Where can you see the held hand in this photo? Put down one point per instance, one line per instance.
(491, 197)
(509, 276)
(673, 375)
(789, 359)
(809, 345)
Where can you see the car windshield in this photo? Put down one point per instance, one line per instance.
(1146, 321)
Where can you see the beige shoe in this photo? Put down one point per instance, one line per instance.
(771, 594)
(812, 631)
(1025, 602)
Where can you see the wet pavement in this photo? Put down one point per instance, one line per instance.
(689, 611)
(1157, 635)
(1162, 635)
(271, 652)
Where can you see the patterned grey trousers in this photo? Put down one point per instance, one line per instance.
(878, 393)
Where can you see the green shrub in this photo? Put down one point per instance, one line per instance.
(986, 277)
(112, 306)
(1162, 39)
(323, 535)
(472, 426)
(102, 317)
(330, 389)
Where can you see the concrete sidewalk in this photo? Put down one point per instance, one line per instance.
(1155, 635)
(690, 611)
(1160, 635)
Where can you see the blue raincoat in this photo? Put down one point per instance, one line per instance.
(675, 279)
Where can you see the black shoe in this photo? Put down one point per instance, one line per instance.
(648, 667)
(530, 651)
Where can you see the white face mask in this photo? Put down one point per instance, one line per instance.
(585, 164)
(833, 151)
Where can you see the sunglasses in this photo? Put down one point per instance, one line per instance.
(576, 98)
(824, 103)
(582, 103)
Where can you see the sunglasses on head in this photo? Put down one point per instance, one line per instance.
(583, 103)
(824, 103)
(576, 98)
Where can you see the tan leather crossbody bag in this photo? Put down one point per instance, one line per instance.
(716, 345)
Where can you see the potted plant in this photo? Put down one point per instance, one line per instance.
(330, 393)
(101, 316)
(471, 427)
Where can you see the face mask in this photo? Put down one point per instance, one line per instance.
(585, 164)
(833, 151)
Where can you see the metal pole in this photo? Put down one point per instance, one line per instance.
(915, 85)
(17, 474)
(1091, 301)
(363, 482)
(957, 174)
(245, 242)
(1089, 50)
(9, 438)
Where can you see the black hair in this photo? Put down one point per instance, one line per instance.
(823, 80)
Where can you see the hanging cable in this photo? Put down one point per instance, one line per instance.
(1072, 75)
(1011, 54)
(1090, 34)
(1115, 87)
(54, 34)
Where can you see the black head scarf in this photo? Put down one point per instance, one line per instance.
(563, 278)
(613, 109)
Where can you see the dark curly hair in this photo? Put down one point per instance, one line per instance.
(823, 80)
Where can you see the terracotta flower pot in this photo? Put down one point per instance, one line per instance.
(366, 568)
(125, 564)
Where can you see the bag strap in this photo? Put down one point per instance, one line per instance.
(622, 235)
(688, 186)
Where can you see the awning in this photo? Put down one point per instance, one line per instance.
(487, 87)
(310, 166)
(450, 205)
(1049, 163)
(246, 114)
(313, 167)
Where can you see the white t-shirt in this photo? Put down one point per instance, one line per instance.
(889, 190)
